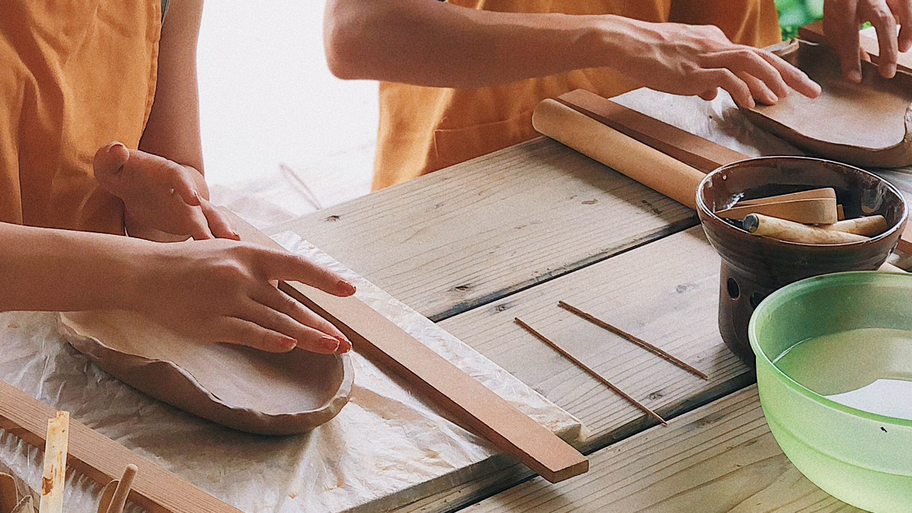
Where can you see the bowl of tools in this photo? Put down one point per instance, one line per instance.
(777, 220)
(834, 374)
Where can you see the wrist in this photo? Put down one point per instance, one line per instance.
(609, 40)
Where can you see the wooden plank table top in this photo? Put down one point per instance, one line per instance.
(512, 233)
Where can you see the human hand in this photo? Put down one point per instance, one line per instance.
(163, 200)
(219, 290)
(699, 59)
(842, 20)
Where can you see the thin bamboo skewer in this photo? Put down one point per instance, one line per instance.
(636, 340)
(589, 371)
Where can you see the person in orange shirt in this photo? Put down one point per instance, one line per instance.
(461, 78)
(99, 139)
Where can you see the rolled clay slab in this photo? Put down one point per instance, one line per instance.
(867, 124)
(236, 386)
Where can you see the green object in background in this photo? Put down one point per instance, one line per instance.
(859, 457)
(796, 13)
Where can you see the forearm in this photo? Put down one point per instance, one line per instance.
(430, 43)
(173, 129)
(44, 269)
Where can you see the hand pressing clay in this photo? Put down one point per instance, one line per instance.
(236, 386)
(867, 124)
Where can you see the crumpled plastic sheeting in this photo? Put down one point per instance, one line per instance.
(375, 454)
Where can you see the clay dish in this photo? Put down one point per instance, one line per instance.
(239, 387)
(867, 124)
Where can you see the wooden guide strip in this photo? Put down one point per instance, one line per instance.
(473, 404)
(682, 145)
(814, 33)
(102, 459)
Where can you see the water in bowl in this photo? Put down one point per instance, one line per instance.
(867, 368)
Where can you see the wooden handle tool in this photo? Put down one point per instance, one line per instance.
(782, 229)
(624, 154)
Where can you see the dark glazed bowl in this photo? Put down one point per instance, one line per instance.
(754, 267)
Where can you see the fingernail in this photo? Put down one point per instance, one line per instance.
(195, 198)
(235, 235)
(854, 76)
(345, 346)
(288, 343)
(330, 344)
(115, 145)
(889, 70)
(345, 288)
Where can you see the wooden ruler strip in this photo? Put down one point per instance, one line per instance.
(102, 459)
(814, 33)
(471, 403)
(682, 145)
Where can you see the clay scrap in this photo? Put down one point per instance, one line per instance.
(238, 387)
(867, 124)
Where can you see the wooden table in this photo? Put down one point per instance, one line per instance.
(511, 233)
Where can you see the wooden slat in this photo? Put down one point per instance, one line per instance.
(814, 33)
(665, 292)
(719, 458)
(101, 459)
(469, 234)
(690, 149)
(473, 404)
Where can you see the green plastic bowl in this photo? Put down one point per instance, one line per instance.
(861, 458)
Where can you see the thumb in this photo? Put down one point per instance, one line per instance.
(109, 164)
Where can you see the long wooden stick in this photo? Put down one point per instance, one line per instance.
(55, 455)
(102, 459)
(589, 371)
(636, 340)
(473, 404)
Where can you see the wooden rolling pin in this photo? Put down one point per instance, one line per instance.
(688, 148)
(624, 154)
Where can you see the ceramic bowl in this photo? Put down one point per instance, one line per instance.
(753, 267)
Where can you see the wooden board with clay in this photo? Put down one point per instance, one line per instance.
(467, 400)
(719, 458)
(867, 124)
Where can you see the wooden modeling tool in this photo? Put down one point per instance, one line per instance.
(114, 495)
(869, 226)
(688, 148)
(101, 459)
(473, 404)
(55, 456)
(589, 371)
(822, 193)
(807, 211)
(631, 338)
(759, 224)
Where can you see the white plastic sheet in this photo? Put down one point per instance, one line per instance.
(386, 448)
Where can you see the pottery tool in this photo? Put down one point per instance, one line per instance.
(644, 130)
(101, 458)
(634, 339)
(589, 371)
(807, 211)
(868, 226)
(114, 495)
(470, 402)
(55, 455)
(759, 224)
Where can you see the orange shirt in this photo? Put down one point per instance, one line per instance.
(77, 74)
(423, 129)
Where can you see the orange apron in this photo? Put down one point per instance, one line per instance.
(77, 74)
(423, 129)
